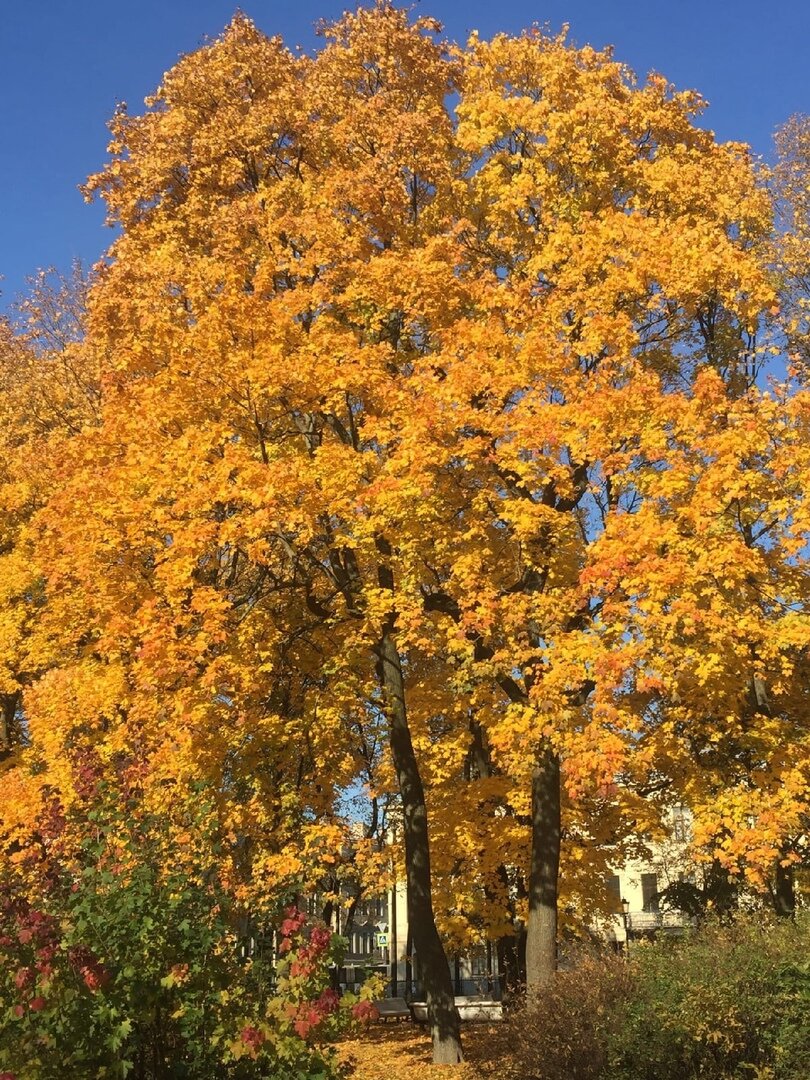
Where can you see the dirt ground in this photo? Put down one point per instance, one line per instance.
(401, 1051)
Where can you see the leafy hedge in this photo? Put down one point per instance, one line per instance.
(725, 1003)
(123, 960)
(730, 1001)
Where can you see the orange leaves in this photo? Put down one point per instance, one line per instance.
(506, 343)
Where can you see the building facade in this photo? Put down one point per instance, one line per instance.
(379, 940)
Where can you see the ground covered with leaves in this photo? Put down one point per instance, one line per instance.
(731, 999)
(403, 1052)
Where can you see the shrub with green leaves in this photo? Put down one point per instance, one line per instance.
(729, 1001)
(125, 961)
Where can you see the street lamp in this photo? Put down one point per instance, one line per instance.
(626, 921)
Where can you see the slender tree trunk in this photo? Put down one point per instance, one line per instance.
(327, 913)
(510, 948)
(541, 928)
(348, 925)
(784, 893)
(394, 945)
(8, 711)
(409, 965)
(511, 952)
(435, 971)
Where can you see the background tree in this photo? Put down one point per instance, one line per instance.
(49, 390)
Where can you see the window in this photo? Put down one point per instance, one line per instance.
(478, 960)
(614, 891)
(649, 892)
(679, 827)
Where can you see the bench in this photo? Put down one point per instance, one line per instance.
(393, 1009)
(471, 1009)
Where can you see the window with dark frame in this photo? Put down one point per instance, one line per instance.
(649, 892)
(614, 890)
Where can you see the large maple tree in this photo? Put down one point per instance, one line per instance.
(427, 388)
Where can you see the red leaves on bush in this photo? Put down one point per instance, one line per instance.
(365, 1012)
(24, 978)
(95, 977)
(88, 967)
(293, 921)
(319, 938)
(328, 1002)
(252, 1037)
(302, 1027)
(301, 968)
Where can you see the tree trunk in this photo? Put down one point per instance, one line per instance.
(409, 965)
(511, 953)
(435, 971)
(510, 948)
(541, 928)
(8, 712)
(784, 894)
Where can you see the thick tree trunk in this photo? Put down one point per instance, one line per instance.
(541, 928)
(434, 969)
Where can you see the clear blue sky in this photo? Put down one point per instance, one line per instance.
(65, 63)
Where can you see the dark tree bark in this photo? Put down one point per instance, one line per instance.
(511, 952)
(443, 1016)
(409, 965)
(784, 892)
(541, 927)
(9, 703)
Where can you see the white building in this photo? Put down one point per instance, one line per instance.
(379, 939)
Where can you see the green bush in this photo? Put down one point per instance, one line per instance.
(730, 1001)
(123, 960)
(727, 1002)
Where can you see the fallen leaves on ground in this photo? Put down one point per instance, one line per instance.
(403, 1052)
